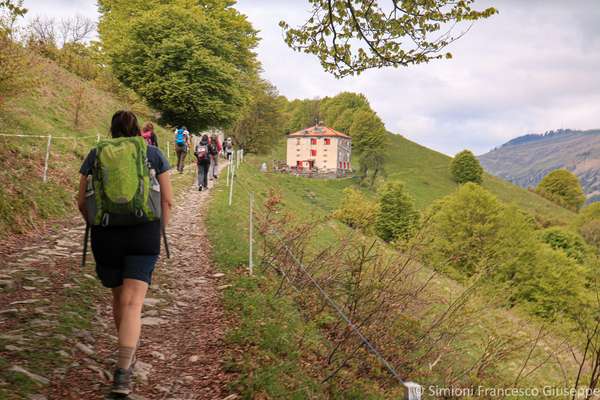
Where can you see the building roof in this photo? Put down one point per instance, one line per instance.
(319, 131)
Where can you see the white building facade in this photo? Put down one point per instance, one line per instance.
(320, 149)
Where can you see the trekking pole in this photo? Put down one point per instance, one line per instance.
(86, 237)
(164, 233)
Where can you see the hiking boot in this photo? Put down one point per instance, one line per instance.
(121, 381)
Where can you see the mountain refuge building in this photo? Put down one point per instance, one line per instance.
(320, 150)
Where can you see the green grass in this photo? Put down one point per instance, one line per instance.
(48, 109)
(268, 327)
(426, 174)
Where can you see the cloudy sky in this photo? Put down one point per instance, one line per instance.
(532, 68)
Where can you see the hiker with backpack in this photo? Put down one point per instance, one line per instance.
(228, 148)
(182, 144)
(202, 153)
(214, 149)
(149, 135)
(125, 196)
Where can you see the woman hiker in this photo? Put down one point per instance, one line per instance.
(149, 135)
(202, 153)
(214, 149)
(126, 254)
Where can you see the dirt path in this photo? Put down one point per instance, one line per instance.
(181, 352)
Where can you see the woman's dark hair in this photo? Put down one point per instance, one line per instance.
(124, 124)
(204, 138)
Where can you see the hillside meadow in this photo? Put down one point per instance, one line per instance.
(282, 334)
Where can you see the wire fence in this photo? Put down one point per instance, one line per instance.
(413, 390)
(47, 143)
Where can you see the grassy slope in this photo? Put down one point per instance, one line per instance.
(49, 110)
(271, 329)
(426, 174)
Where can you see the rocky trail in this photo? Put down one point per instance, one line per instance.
(56, 332)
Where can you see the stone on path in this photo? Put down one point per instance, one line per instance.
(158, 355)
(150, 302)
(10, 347)
(34, 377)
(37, 397)
(194, 359)
(7, 284)
(218, 275)
(142, 370)
(153, 321)
(85, 349)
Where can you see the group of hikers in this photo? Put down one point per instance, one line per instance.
(125, 197)
(206, 151)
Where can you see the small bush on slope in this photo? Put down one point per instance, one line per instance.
(398, 218)
(563, 188)
(357, 211)
(466, 168)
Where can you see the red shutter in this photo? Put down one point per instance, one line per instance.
(313, 153)
(313, 141)
(327, 141)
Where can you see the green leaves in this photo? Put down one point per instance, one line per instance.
(465, 168)
(351, 36)
(563, 188)
(398, 218)
(187, 60)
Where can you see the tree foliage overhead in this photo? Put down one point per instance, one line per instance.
(465, 168)
(563, 188)
(351, 36)
(186, 58)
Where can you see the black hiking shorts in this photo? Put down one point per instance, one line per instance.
(129, 252)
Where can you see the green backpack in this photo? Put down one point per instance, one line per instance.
(123, 189)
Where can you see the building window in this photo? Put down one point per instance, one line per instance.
(341, 167)
(313, 153)
(313, 141)
(327, 141)
(298, 141)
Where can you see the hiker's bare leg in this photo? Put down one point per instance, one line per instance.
(116, 306)
(132, 297)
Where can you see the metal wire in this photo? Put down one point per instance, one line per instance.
(410, 386)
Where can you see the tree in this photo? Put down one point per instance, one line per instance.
(590, 231)
(188, 59)
(14, 60)
(568, 242)
(351, 36)
(333, 107)
(304, 113)
(356, 211)
(466, 168)
(260, 125)
(369, 139)
(398, 218)
(563, 188)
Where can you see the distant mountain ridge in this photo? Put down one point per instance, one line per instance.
(525, 160)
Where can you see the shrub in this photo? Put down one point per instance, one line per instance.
(356, 211)
(563, 188)
(470, 232)
(466, 168)
(588, 213)
(397, 218)
(591, 232)
(568, 242)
